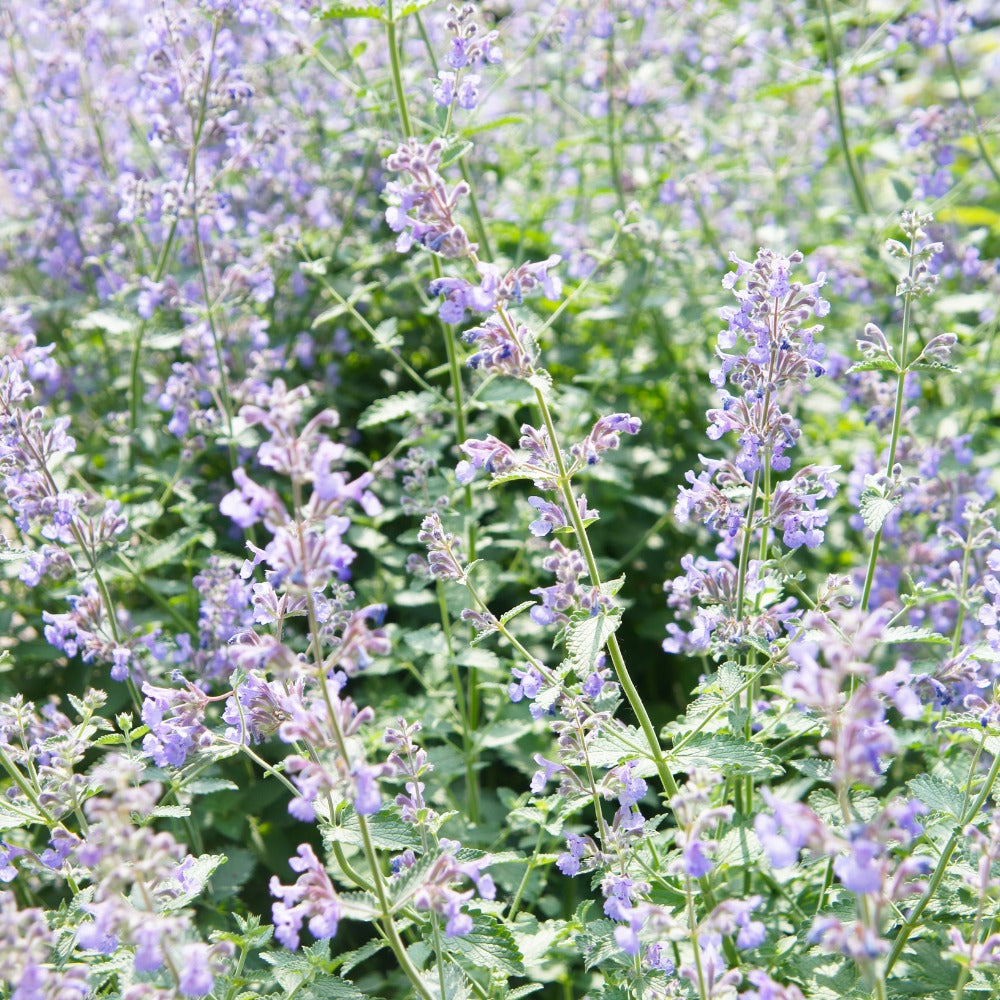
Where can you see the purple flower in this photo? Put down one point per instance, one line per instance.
(858, 870)
(312, 897)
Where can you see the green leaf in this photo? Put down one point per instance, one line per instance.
(587, 637)
(388, 833)
(614, 744)
(728, 753)
(172, 547)
(171, 812)
(336, 9)
(515, 611)
(874, 365)
(385, 335)
(457, 151)
(206, 786)
(489, 945)
(327, 987)
(525, 991)
(937, 794)
(910, 633)
(598, 944)
(875, 507)
(197, 874)
(402, 404)
(932, 366)
(348, 960)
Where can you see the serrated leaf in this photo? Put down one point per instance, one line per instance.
(402, 404)
(515, 611)
(509, 477)
(937, 794)
(402, 886)
(337, 9)
(171, 812)
(932, 366)
(874, 365)
(14, 555)
(350, 959)
(728, 753)
(587, 637)
(597, 942)
(489, 945)
(614, 744)
(386, 832)
(911, 633)
(385, 335)
(195, 877)
(173, 546)
(327, 987)
(875, 508)
(457, 151)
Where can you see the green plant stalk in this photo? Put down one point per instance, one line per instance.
(897, 419)
(468, 747)
(857, 179)
(385, 911)
(455, 376)
(913, 919)
(621, 670)
(973, 117)
(515, 904)
(613, 163)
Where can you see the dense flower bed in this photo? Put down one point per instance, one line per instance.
(367, 369)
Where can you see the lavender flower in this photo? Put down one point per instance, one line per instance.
(311, 897)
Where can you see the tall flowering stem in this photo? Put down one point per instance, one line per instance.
(617, 659)
(470, 700)
(918, 281)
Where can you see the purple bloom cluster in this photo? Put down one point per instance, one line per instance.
(833, 677)
(470, 45)
(311, 897)
(422, 209)
(780, 357)
(737, 599)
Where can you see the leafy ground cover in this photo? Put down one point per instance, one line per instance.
(499, 500)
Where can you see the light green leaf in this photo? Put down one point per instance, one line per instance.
(388, 833)
(937, 794)
(614, 744)
(327, 987)
(402, 404)
(874, 365)
(587, 637)
(875, 507)
(515, 611)
(910, 633)
(336, 9)
(385, 335)
(489, 945)
(728, 753)
(173, 546)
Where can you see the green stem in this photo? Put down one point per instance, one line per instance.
(621, 670)
(397, 74)
(515, 904)
(913, 920)
(468, 745)
(973, 117)
(897, 418)
(832, 54)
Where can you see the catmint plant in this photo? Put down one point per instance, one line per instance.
(361, 380)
